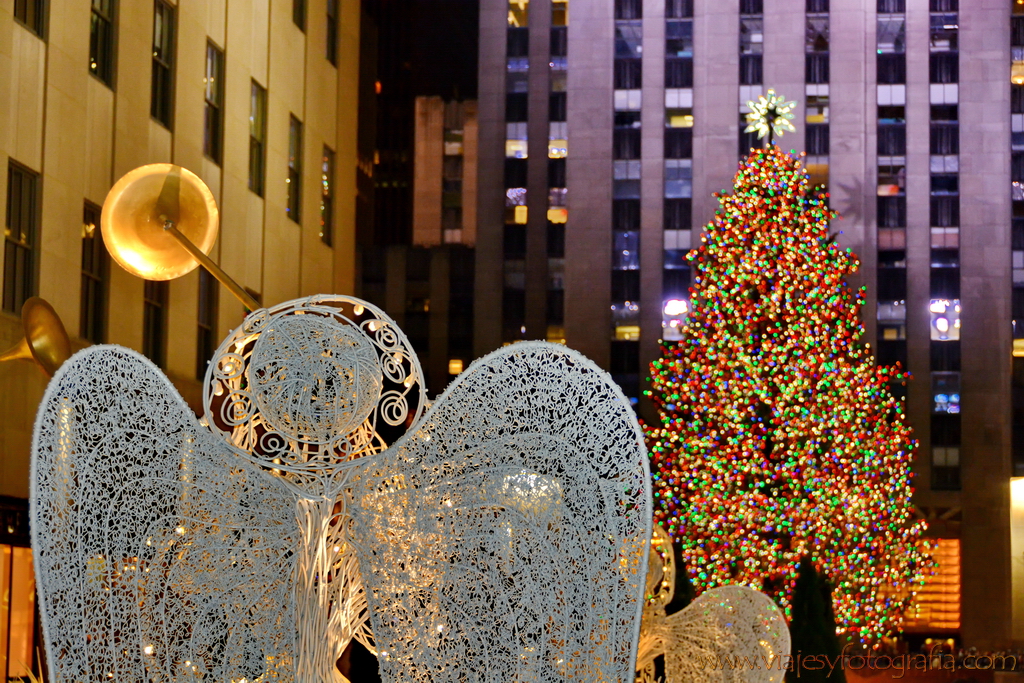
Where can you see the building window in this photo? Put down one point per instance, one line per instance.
(257, 136)
(628, 74)
(515, 107)
(332, 32)
(750, 69)
(891, 6)
(206, 322)
(892, 68)
(679, 72)
(101, 41)
(31, 14)
(816, 68)
(327, 196)
(95, 269)
(945, 138)
(892, 140)
(678, 9)
(213, 132)
(299, 13)
(559, 41)
(162, 87)
(154, 321)
(21, 228)
(517, 42)
(817, 139)
(945, 437)
(943, 67)
(629, 9)
(294, 170)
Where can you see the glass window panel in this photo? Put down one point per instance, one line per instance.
(625, 250)
(628, 39)
(751, 35)
(892, 34)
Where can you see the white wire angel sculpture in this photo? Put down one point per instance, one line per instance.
(498, 535)
(730, 634)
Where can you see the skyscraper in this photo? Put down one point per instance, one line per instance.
(605, 127)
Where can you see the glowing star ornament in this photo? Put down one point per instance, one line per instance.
(770, 116)
(499, 534)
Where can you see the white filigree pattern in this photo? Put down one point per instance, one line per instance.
(730, 634)
(307, 387)
(504, 536)
(160, 556)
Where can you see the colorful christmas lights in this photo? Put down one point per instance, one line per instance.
(779, 435)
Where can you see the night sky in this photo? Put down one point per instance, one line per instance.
(444, 48)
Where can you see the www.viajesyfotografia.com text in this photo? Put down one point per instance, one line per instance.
(899, 665)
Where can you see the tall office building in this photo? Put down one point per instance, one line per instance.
(605, 127)
(256, 97)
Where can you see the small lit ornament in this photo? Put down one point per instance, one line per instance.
(770, 116)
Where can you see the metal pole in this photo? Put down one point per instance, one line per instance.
(214, 270)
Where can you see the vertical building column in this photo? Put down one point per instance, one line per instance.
(490, 190)
(918, 248)
(537, 169)
(440, 294)
(784, 63)
(589, 180)
(986, 331)
(716, 68)
(652, 193)
(852, 139)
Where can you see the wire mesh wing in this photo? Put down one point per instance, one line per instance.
(505, 538)
(730, 634)
(160, 555)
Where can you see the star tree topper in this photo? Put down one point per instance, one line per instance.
(770, 116)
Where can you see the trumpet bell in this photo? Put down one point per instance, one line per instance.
(45, 342)
(141, 203)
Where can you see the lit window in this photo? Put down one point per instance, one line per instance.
(101, 41)
(162, 83)
(454, 366)
(945, 392)
(257, 136)
(21, 232)
(294, 180)
(95, 269)
(214, 110)
(673, 319)
(945, 319)
(327, 197)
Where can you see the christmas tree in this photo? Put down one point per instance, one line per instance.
(779, 435)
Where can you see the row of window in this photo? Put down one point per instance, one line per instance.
(103, 36)
(21, 270)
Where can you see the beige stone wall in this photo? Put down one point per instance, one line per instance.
(427, 168)
(60, 121)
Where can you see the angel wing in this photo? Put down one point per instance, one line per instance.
(167, 548)
(730, 634)
(505, 537)
(159, 555)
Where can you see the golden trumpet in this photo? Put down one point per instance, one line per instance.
(45, 342)
(160, 221)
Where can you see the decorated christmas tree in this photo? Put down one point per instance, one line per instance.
(780, 438)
